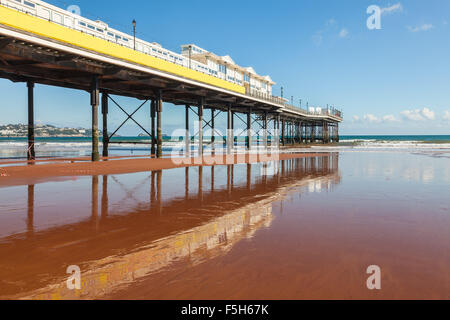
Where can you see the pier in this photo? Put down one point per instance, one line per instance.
(35, 51)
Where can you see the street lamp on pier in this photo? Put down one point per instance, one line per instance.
(134, 34)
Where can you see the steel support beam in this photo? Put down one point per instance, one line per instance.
(159, 107)
(152, 126)
(187, 138)
(266, 136)
(200, 129)
(249, 129)
(94, 104)
(105, 124)
(213, 133)
(31, 155)
(230, 134)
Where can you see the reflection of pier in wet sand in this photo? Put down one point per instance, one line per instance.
(219, 206)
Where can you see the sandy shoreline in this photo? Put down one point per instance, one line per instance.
(22, 174)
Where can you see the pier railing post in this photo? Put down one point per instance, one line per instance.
(159, 107)
(105, 124)
(31, 155)
(94, 103)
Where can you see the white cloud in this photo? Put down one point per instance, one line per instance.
(418, 115)
(446, 116)
(330, 22)
(389, 118)
(356, 119)
(371, 118)
(423, 27)
(343, 33)
(392, 9)
(428, 114)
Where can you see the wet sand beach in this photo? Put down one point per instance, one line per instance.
(303, 227)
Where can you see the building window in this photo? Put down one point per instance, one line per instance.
(222, 68)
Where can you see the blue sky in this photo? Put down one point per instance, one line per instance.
(390, 81)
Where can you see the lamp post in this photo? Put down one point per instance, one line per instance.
(134, 34)
(190, 54)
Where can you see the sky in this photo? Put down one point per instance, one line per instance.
(389, 81)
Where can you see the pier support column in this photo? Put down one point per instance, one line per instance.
(31, 155)
(313, 132)
(94, 103)
(187, 137)
(200, 126)
(213, 132)
(283, 138)
(152, 126)
(337, 133)
(266, 136)
(277, 132)
(230, 137)
(159, 107)
(249, 129)
(105, 124)
(325, 132)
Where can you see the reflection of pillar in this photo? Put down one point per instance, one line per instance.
(105, 123)
(152, 190)
(249, 176)
(159, 190)
(31, 153)
(30, 211)
(186, 183)
(232, 177)
(104, 212)
(94, 104)
(229, 179)
(212, 178)
(94, 201)
(200, 183)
